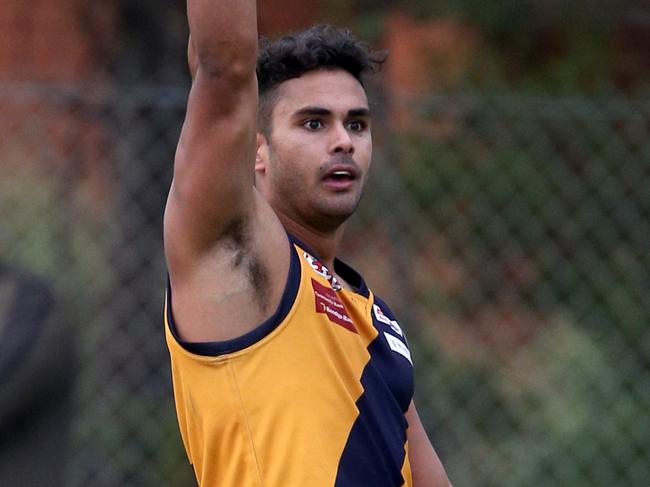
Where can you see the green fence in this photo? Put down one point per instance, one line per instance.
(509, 233)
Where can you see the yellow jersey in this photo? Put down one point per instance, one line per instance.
(315, 396)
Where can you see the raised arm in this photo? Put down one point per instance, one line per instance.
(226, 251)
(213, 172)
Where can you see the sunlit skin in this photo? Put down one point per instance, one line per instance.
(320, 125)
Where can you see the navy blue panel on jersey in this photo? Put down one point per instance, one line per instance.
(374, 453)
(397, 370)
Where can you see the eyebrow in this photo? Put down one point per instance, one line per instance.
(323, 112)
(359, 112)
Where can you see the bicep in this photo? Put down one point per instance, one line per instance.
(213, 167)
(426, 468)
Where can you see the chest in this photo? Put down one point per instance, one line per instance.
(360, 333)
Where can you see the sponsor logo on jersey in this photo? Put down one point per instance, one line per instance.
(397, 345)
(328, 303)
(322, 270)
(381, 317)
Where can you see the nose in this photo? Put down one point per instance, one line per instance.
(342, 140)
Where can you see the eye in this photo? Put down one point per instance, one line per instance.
(312, 124)
(356, 125)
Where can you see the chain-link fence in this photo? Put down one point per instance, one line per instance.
(509, 233)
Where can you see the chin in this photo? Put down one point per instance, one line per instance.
(331, 211)
(337, 214)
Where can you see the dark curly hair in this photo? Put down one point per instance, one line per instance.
(320, 47)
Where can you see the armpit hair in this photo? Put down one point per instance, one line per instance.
(236, 236)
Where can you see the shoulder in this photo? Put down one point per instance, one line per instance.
(228, 289)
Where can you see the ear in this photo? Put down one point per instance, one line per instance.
(262, 154)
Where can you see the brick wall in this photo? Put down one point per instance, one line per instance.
(53, 40)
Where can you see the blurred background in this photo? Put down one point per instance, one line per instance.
(506, 222)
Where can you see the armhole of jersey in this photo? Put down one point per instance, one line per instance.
(214, 349)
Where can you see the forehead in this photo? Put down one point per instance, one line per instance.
(334, 90)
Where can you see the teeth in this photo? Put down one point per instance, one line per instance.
(341, 173)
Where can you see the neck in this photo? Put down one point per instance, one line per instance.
(324, 244)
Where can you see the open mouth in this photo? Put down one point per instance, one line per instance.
(340, 176)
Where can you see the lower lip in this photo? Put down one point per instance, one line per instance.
(338, 184)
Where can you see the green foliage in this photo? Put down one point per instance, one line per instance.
(511, 176)
(537, 199)
(47, 230)
(522, 416)
(530, 45)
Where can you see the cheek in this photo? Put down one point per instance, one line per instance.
(364, 153)
(304, 149)
(298, 154)
(285, 166)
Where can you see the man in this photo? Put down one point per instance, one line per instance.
(287, 370)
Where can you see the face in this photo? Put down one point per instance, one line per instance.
(314, 164)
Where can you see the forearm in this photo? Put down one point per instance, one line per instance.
(213, 166)
(224, 34)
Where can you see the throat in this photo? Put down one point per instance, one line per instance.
(324, 245)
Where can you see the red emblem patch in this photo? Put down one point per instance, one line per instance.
(327, 302)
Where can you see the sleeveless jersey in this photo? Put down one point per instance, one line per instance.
(315, 396)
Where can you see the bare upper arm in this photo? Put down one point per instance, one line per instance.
(426, 468)
(217, 229)
(213, 167)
